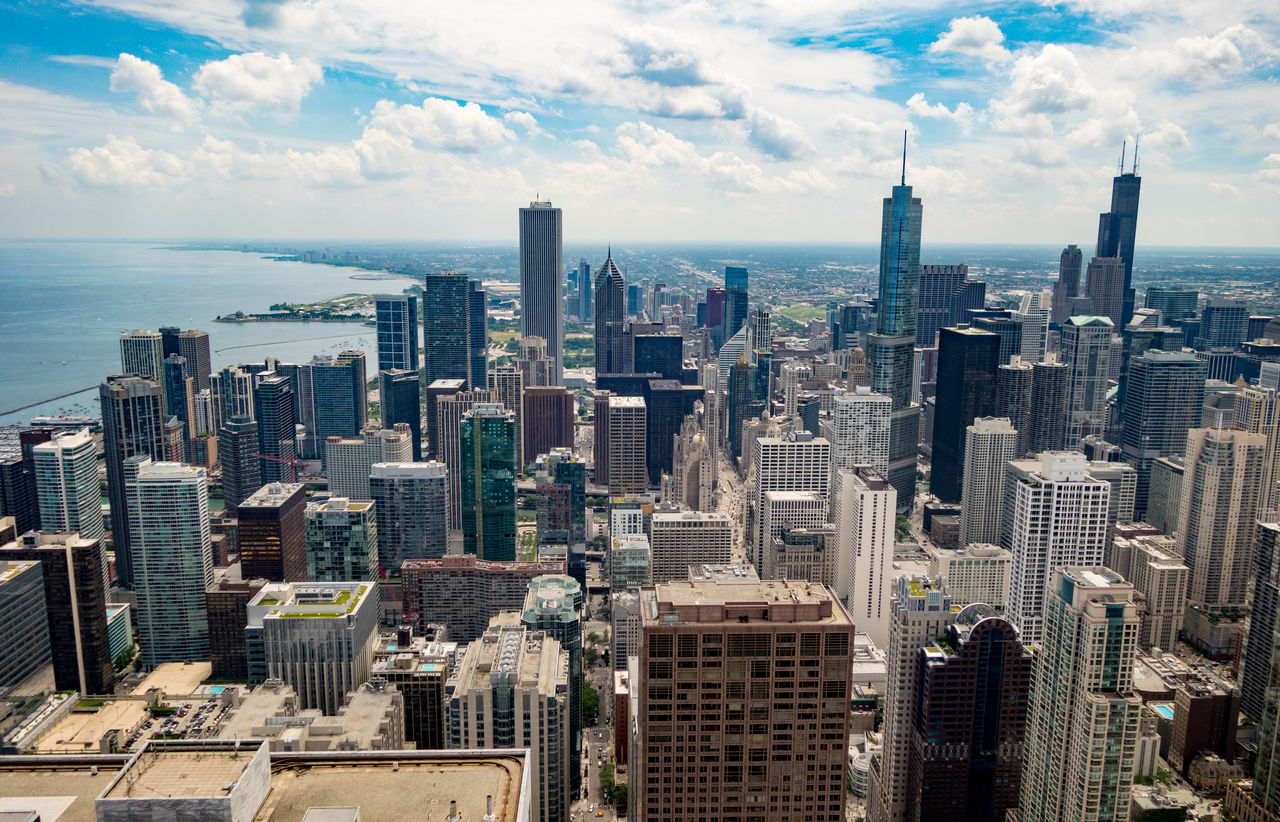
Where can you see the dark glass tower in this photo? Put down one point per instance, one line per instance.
(133, 421)
(586, 293)
(488, 441)
(967, 360)
(274, 405)
(1163, 400)
(610, 318)
(542, 281)
(1263, 610)
(891, 350)
(1068, 285)
(400, 394)
(237, 446)
(1118, 228)
(445, 326)
(397, 324)
(735, 299)
(1048, 424)
(478, 335)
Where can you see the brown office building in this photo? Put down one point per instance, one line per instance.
(76, 604)
(1206, 711)
(548, 420)
(465, 592)
(226, 601)
(741, 699)
(273, 533)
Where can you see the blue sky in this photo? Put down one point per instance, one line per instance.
(751, 120)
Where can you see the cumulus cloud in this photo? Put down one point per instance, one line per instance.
(663, 57)
(8, 189)
(1207, 57)
(132, 75)
(441, 123)
(253, 81)
(328, 167)
(1269, 170)
(1272, 131)
(778, 137)
(122, 163)
(974, 36)
(526, 121)
(1041, 87)
(962, 114)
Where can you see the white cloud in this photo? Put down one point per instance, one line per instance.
(1224, 188)
(1272, 131)
(8, 189)
(155, 94)
(441, 123)
(1269, 170)
(1043, 86)
(1204, 58)
(962, 114)
(526, 121)
(778, 137)
(257, 81)
(974, 36)
(122, 163)
(649, 146)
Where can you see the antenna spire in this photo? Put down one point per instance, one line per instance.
(904, 156)
(1123, 146)
(1136, 138)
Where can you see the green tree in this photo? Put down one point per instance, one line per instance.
(620, 796)
(606, 781)
(590, 704)
(591, 655)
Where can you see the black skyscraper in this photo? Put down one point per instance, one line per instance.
(735, 299)
(1048, 407)
(1068, 285)
(610, 318)
(967, 359)
(133, 421)
(446, 313)
(400, 394)
(277, 427)
(1118, 228)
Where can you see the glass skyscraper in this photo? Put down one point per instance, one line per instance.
(542, 279)
(1118, 228)
(446, 340)
(397, 324)
(488, 437)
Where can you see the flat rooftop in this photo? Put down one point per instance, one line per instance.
(178, 678)
(746, 600)
(194, 773)
(80, 732)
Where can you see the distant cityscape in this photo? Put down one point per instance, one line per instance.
(667, 534)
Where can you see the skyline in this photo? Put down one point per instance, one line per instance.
(675, 124)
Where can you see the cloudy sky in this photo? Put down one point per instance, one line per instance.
(714, 120)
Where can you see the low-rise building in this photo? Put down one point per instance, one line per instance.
(371, 719)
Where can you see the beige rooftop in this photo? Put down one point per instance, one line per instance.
(772, 600)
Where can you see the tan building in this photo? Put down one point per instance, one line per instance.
(741, 700)
(371, 719)
(686, 538)
(1160, 578)
(628, 472)
(975, 573)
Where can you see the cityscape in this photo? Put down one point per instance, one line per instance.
(556, 528)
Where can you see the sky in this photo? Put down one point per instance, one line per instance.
(707, 121)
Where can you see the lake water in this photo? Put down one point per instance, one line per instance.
(63, 306)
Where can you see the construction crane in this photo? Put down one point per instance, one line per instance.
(293, 461)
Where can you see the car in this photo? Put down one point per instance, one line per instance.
(599, 814)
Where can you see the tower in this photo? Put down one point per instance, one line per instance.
(542, 280)
(990, 443)
(400, 393)
(554, 606)
(274, 403)
(1163, 401)
(478, 334)
(1047, 429)
(1086, 349)
(506, 385)
(273, 533)
(237, 449)
(610, 318)
(132, 424)
(412, 507)
(860, 430)
(446, 341)
(142, 353)
(1068, 284)
(862, 506)
(1118, 228)
(67, 491)
(487, 445)
(396, 317)
(967, 359)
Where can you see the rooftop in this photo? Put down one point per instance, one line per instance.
(773, 600)
(10, 570)
(192, 772)
(179, 678)
(272, 495)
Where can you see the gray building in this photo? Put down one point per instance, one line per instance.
(412, 507)
(396, 318)
(1162, 403)
(132, 424)
(446, 338)
(542, 279)
(554, 606)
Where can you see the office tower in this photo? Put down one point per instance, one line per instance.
(534, 363)
(549, 412)
(431, 402)
(231, 390)
(1257, 410)
(1086, 349)
(332, 400)
(1173, 303)
(693, 467)
(921, 610)
(508, 673)
(342, 541)
(1164, 494)
(586, 295)
(18, 497)
(1014, 383)
(168, 510)
(142, 354)
(750, 631)
(132, 424)
(680, 539)
(862, 507)
(1007, 326)
(611, 315)
(667, 403)
(238, 453)
(1221, 497)
(553, 606)
(739, 403)
(396, 318)
(349, 461)
(67, 490)
(274, 403)
(464, 592)
(969, 719)
(630, 564)
(179, 392)
(449, 412)
(193, 346)
(1223, 324)
(794, 374)
(506, 386)
(1055, 514)
(562, 498)
(1162, 403)
(419, 670)
(626, 437)
(412, 509)
(860, 429)
(1068, 284)
(797, 462)
(943, 288)
(316, 637)
(478, 333)
(1107, 290)
(990, 443)
(975, 573)
(446, 326)
(26, 658)
(1048, 424)
(541, 279)
(1160, 578)
(1117, 228)
(891, 349)
(76, 605)
(1082, 728)
(227, 601)
(487, 445)
(272, 533)
(400, 393)
(967, 360)
(1033, 315)
(1258, 646)
(735, 299)
(784, 510)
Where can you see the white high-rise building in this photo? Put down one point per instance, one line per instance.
(349, 462)
(1082, 723)
(1258, 411)
(974, 573)
(794, 373)
(1161, 579)
(1033, 311)
(67, 488)
(142, 354)
(1055, 515)
(412, 506)
(860, 430)
(506, 385)
(990, 443)
(920, 612)
(789, 510)
(863, 505)
(172, 551)
(796, 462)
(685, 538)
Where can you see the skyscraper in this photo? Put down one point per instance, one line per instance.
(336, 402)
(67, 491)
(967, 359)
(542, 279)
(1086, 349)
(797, 462)
(1162, 402)
(1107, 291)
(274, 404)
(534, 363)
(1082, 725)
(342, 540)
(272, 533)
(684, 538)
(350, 461)
(506, 385)
(192, 346)
(132, 424)
(860, 422)
(411, 504)
(142, 354)
(586, 294)
(400, 393)
(1048, 424)
(945, 293)
(990, 443)
(168, 511)
(610, 318)
(237, 451)
(628, 471)
(446, 324)
(1173, 303)
(478, 334)
(1260, 638)
(396, 316)
(548, 419)
(891, 350)
(1118, 228)
(449, 412)
(735, 299)
(231, 392)
(487, 445)
(1013, 400)
(1068, 284)
(179, 394)
(554, 606)
(862, 507)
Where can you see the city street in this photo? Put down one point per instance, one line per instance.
(597, 740)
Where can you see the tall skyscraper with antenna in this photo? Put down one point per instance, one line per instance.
(1118, 228)
(891, 349)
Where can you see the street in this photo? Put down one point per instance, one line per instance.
(597, 740)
